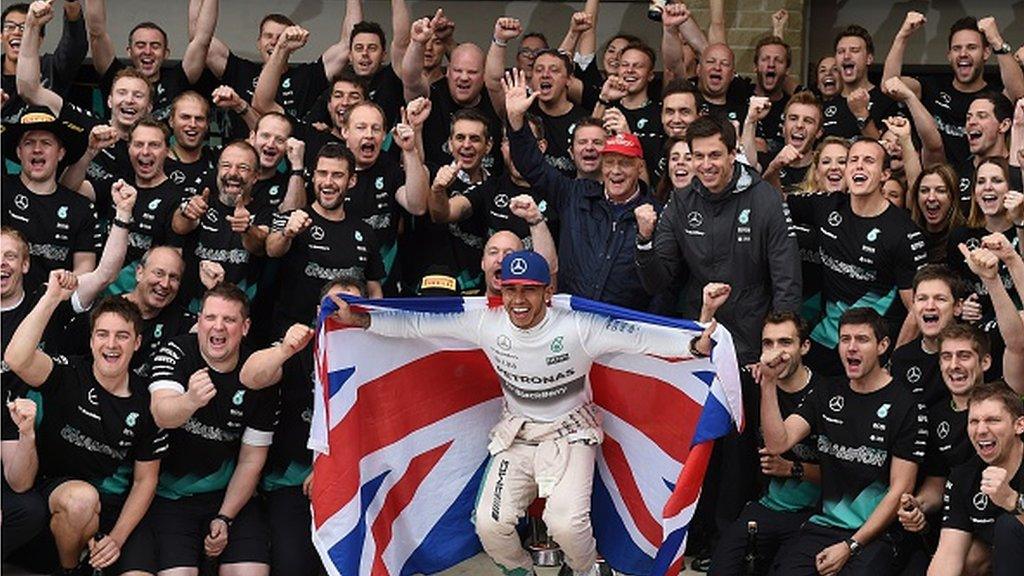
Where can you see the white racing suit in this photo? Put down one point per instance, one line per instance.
(546, 442)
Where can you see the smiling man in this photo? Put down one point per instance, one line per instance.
(858, 109)
(544, 402)
(989, 118)
(732, 228)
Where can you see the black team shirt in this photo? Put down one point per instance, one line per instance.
(645, 123)
(437, 128)
(921, 371)
(839, 121)
(300, 86)
(204, 450)
(948, 444)
(558, 131)
(290, 461)
(966, 507)
(372, 199)
(151, 219)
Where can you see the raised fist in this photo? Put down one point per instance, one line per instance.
(912, 23)
(646, 220)
(506, 29)
(200, 388)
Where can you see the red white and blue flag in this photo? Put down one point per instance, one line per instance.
(400, 428)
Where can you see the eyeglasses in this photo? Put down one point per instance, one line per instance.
(530, 52)
(11, 27)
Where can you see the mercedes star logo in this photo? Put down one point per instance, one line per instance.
(317, 233)
(943, 430)
(980, 500)
(93, 399)
(178, 177)
(501, 200)
(21, 201)
(973, 243)
(836, 403)
(517, 266)
(694, 219)
(504, 342)
(835, 219)
(913, 375)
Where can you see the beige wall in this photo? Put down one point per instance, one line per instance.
(746, 20)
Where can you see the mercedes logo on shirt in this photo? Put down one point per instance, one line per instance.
(835, 219)
(943, 430)
(317, 233)
(21, 201)
(501, 200)
(517, 266)
(830, 111)
(504, 342)
(980, 500)
(836, 403)
(92, 397)
(694, 219)
(178, 177)
(973, 243)
(913, 375)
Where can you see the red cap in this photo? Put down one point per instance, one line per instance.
(625, 144)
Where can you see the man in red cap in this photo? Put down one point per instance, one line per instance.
(547, 439)
(596, 247)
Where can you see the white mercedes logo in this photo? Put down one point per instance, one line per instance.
(913, 375)
(836, 403)
(973, 243)
(943, 429)
(965, 183)
(317, 233)
(944, 97)
(178, 177)
(835, 219)
(504, 342)
(517, 266)
(21, 201)
(501, 200)
(694, 219)
(980, 500)
(92, 397)
(830, 111)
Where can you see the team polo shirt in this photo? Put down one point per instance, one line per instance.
(290, 461)
(791, 494)
(921, 371)
(948, 444)
(966, 507)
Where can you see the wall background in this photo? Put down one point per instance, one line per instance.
(812, 23)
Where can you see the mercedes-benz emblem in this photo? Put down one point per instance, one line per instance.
(980, 500)
(973, 243)
(504, 342)
(501, 200)
(93, 399)
(317, 233)
(913, 375)
(836, 403)
(942, 430)
(517, 266)
(694, 219)
(830, 111)
(835, 219)
(21, 201)
(178, 177)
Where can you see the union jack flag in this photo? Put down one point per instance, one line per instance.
(400, 428)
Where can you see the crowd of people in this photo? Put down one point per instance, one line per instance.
(166, 247)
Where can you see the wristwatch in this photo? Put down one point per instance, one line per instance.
(693, 349)
(862, 122)
(1020, 505)
(854, 546)
(1002, 50)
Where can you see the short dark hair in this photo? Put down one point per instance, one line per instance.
(643, 47)
(231, 293)
(539, 35)
(966, 23)
(707, 126)
(277, 19)
(344, 281)
(587, 121)
(148, 26)
(682, 86)
(21, 8)
(563, 56)
(1002, 106)
(365, 27)
(802, 329)
(336, 151)
(963, 331)
(942, 273)
(862, 316)
(349, 76)
(472, 115)
(999, 391)
(149, 121)
(123, 307)
(857, 31)
(773, 41)
(629, 38)
(886, 160)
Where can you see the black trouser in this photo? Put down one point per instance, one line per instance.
(798, 557)
(24, 516)
(773, 530)
(1007, 546)
(291, 545)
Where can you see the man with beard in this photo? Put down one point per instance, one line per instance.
(732, 228)
(58, 68)
(324, 242)
(456, 245)
(860, 107)
(386, 190)
(462, 90)
(983, 504)
(59, 224)
(96, 426)
(801, 128)
(220, 433)
(989, 118)
(106, 157)
(971, 43)
(880, 278)
(148, 50)
(871, 439)
(598, 228)
(626, 106)
(222, 229)
(550, 75)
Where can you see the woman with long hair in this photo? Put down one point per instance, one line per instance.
(678, 172)
(933, 208)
